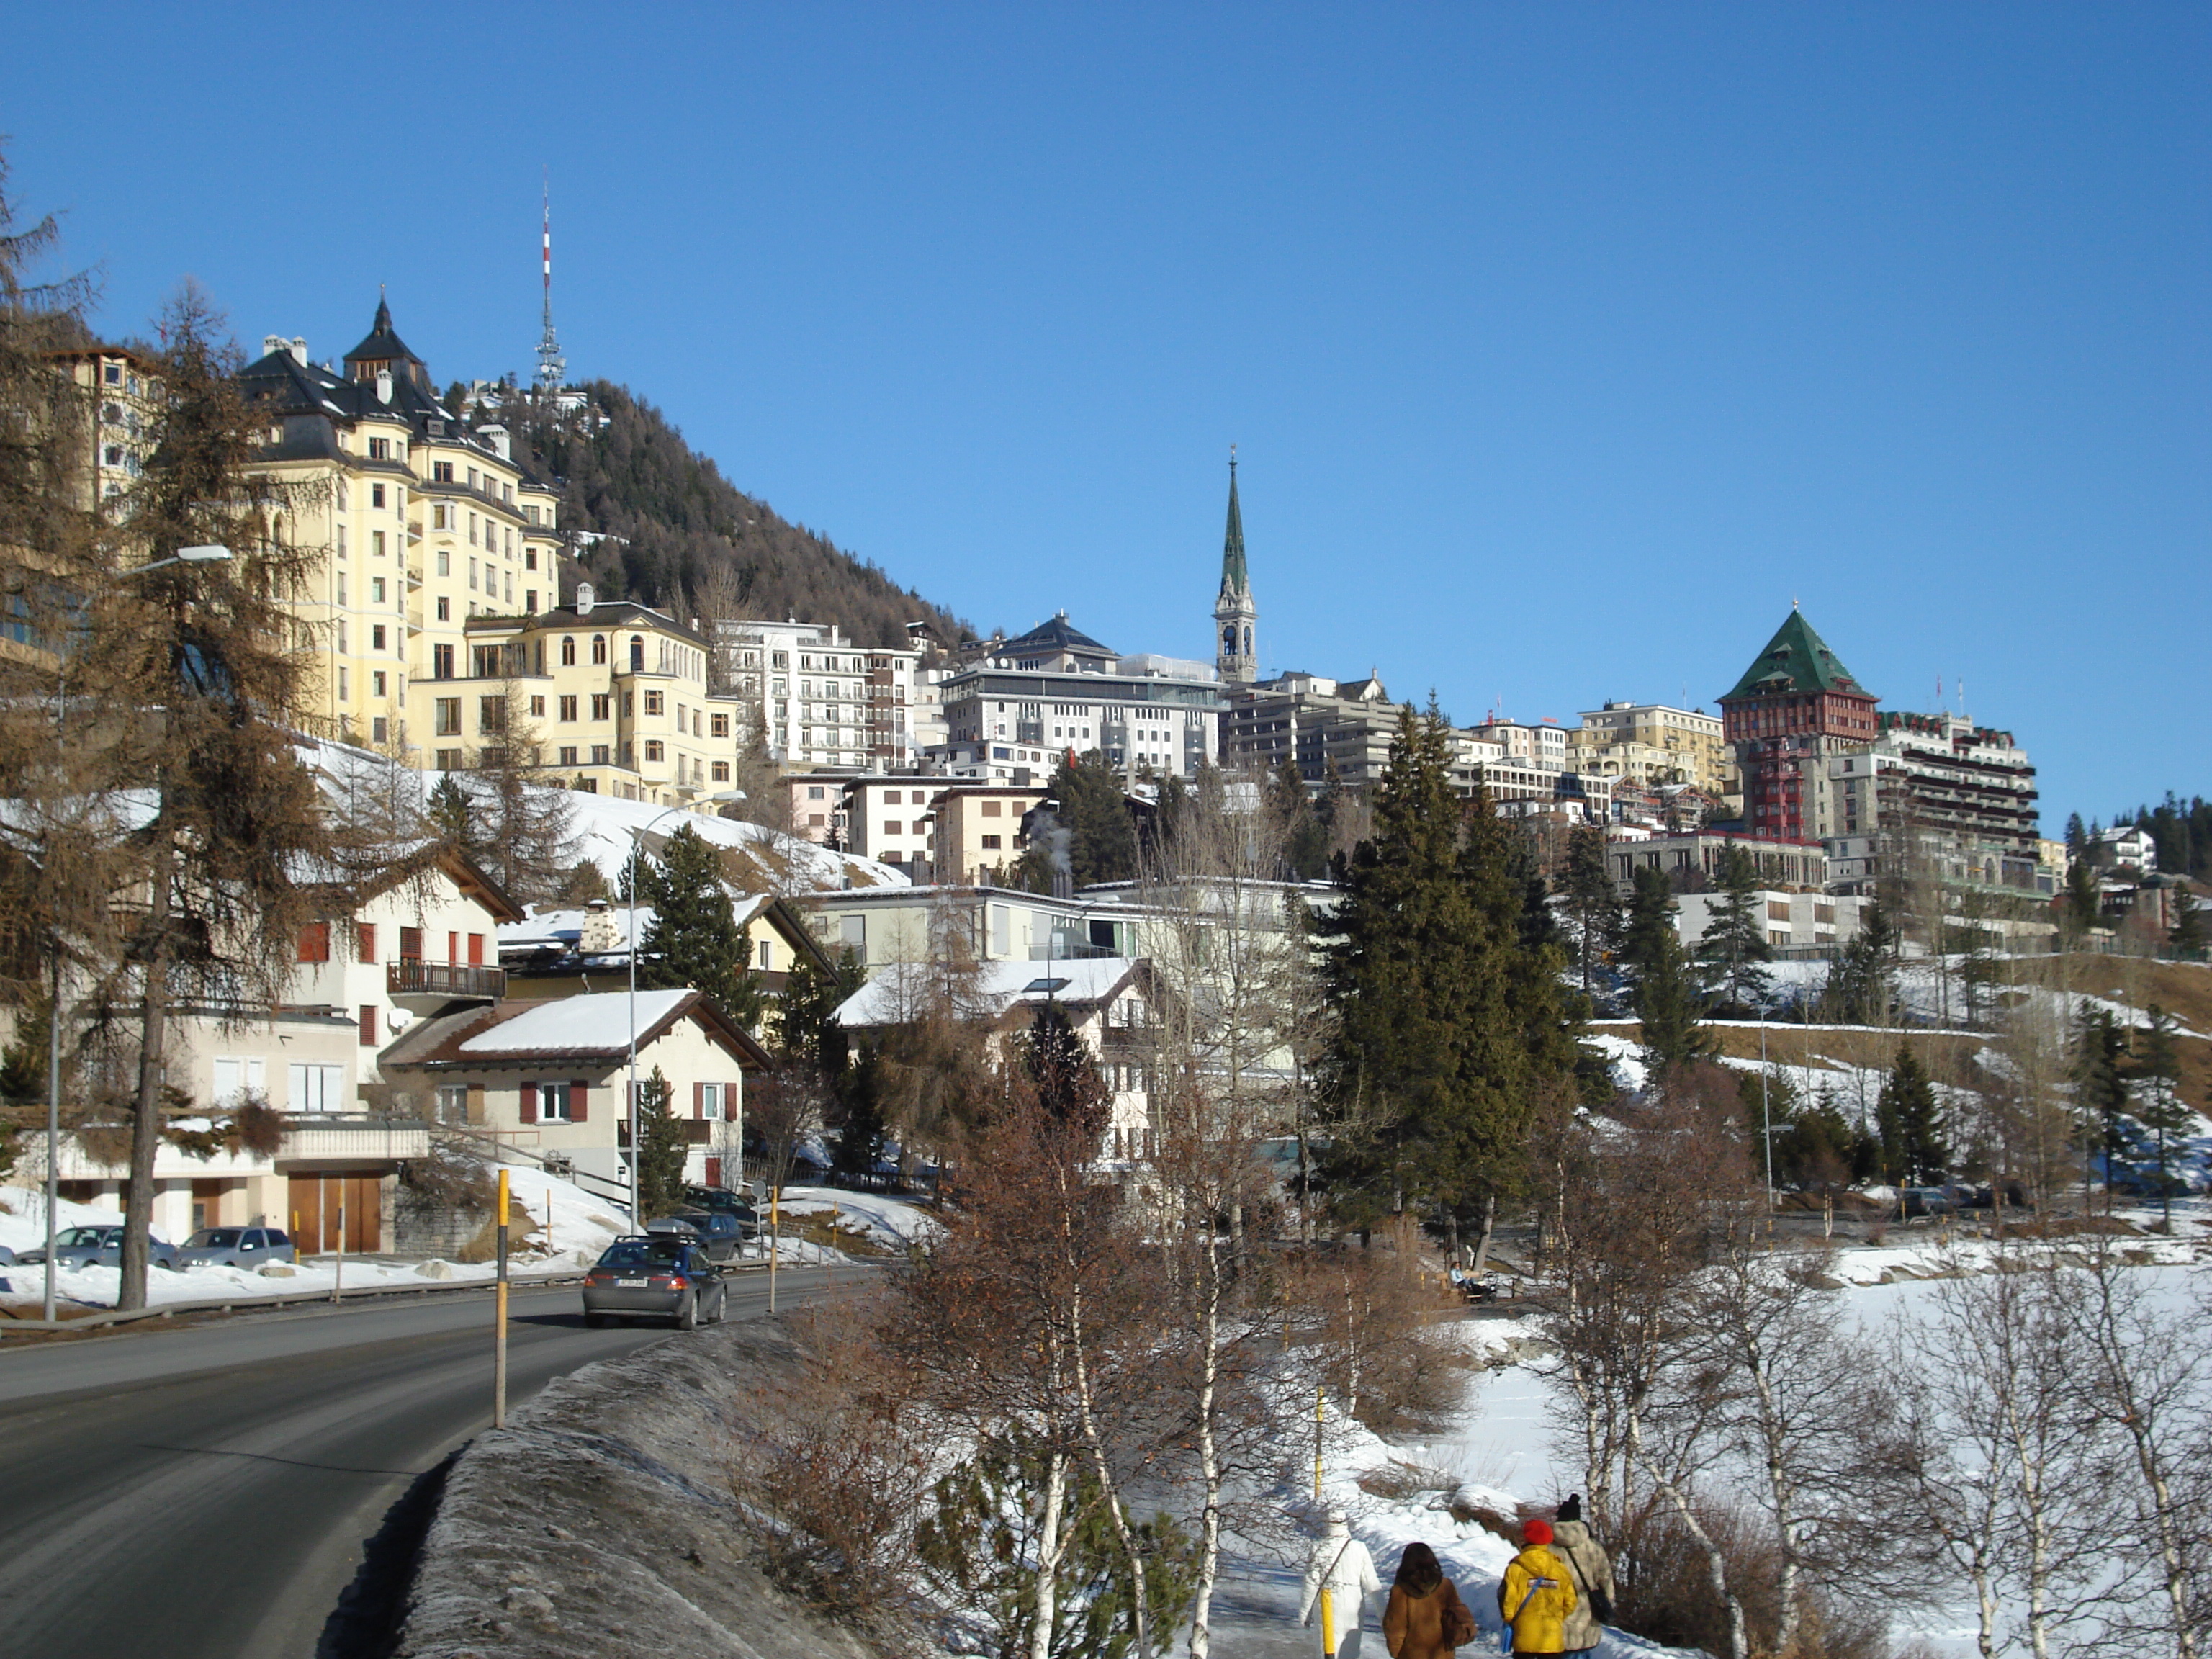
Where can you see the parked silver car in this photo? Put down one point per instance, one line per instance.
(93, 1247)
(235, 1247)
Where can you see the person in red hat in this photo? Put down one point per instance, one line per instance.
(1536, 1593)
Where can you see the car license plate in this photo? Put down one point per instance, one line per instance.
(629, 1284)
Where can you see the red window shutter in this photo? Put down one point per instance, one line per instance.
(698, 1100)
(410, 944)
(364, 939)
(315, 942)
(368, 1025)
(579, 1101)
(452, 947)
(530, 1103)
(476, 950)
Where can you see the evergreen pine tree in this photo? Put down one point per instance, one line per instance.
(1593, 904)
(2100, 1087)
(1443, 1027)
(1733, 945)
(2188, 937)
(2157, 1075)
(1910, 1125)
(1060, 1070)
(863, 1128)
(2084, 904)
(662, 1146)
(1102, 840)
(1650, 920)
(1859, 991)
(452, 815)
(2077, 836)
(1669, 1002)
(1305, 837)
(693, 939)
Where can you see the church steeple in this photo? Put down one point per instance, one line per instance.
(1236, 654)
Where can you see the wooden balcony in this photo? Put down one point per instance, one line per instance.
(425, 986)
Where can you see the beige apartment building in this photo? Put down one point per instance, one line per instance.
(1654, 743)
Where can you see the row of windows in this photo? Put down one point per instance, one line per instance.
(314, 944)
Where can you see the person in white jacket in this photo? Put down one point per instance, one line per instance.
(1341, 1562)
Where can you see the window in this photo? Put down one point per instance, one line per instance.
(603, 706)
(442, 471)
(368, 1025)
(472, 576)
(710, 1100)
(529, 602)
(379, 727)
(376, 491)
(637, 653)
(376, 636)
(721, 726)
(537, 709)
(652, 703)
(453, 1100)
(990, 843)
(652, 751)
(364, 941)
(568, 708)
(114, 373)
(555, 1103)
(487, 660)
(244, 1075)
(598, 648)
(445, 561)
(376, 543)
(446, 714)
(491, 713)
(891, 828)
(378, 682)
(601, 752)
(530, 554)
(991, 809)
(315, 942)
(721, 771)
(375, 590)
(316, 1088)
(568, 651)
(568, 755)
(448, 760)
(446, 614)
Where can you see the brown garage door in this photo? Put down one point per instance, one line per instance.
(315, 1201)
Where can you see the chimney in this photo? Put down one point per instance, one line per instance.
(271, 344)
(300, 350)
(383, 386)
(600, 935)
(496, 436)
(585, 599)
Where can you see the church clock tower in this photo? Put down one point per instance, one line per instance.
(1236, 655)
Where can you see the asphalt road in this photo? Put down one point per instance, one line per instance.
(212, 1491)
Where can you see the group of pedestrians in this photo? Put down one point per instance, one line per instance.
(1554, 1599)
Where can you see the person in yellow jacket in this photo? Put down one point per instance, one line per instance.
(1536, 1593)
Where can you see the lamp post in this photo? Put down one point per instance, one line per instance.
(209, 554)
(637, 1149)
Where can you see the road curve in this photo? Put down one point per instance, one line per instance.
(207, 1493)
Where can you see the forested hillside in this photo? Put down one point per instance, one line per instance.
(691, 542)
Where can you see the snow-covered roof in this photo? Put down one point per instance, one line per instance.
(597, 1022)
(898, 987)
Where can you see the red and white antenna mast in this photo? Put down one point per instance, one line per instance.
(552, 367)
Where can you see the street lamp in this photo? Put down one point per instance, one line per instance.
(208, 553)
(636, 1161)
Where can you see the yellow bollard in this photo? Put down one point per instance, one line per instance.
(1327, 1622)
(499, 1318)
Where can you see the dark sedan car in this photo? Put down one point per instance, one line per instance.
(648, 1277)
(720, 1232)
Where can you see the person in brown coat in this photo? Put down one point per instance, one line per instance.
(1424, 1618)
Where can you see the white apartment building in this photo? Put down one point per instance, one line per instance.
(824, 701)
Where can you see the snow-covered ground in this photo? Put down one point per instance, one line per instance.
(1509, 1448)
(581, 1227)
(891, 1224)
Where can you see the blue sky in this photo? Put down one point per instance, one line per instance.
(1564, 345)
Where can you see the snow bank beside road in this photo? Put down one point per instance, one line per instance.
(891, 1222)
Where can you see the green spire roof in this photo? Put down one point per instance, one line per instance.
(1796, 659)
(1233, 577)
